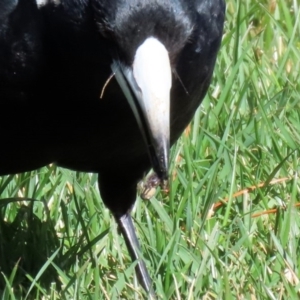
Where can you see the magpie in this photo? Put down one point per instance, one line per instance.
(103, 86)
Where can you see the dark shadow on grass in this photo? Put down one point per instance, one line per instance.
(27, 242)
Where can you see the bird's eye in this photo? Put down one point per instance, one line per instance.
(198, 49)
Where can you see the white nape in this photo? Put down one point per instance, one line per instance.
(41, 3)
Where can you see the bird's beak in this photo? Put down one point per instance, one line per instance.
(146, 86)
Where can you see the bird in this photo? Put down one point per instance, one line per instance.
(104, 86)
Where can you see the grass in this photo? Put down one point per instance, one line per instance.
(62, 243)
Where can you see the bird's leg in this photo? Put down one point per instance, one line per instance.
(128, 231)
(120, 201)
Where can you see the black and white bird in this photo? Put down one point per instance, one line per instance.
(58, 102)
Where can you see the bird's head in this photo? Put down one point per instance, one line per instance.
(146, 38)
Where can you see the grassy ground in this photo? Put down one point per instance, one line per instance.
(230, 227)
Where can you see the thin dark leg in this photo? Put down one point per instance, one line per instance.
(128, 231)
